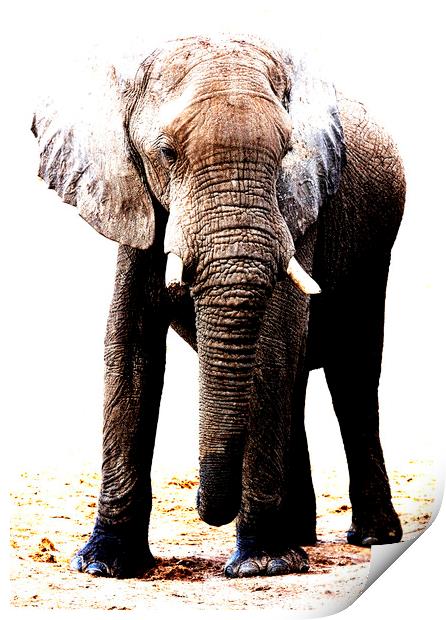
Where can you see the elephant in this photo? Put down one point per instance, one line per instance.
(255, 208)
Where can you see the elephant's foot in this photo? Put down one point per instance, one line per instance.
(109, 555)
(252, 562)
(375, 528)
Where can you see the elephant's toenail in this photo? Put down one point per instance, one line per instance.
(98, 569)
(230, 572)
(77, 563)
(277, 567)
(304, 567)
(369, 541)
(248, 569)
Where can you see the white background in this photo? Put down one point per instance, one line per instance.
(59, 272)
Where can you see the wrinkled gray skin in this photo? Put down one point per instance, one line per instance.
(234, 158)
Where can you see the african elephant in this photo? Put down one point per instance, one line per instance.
(228, 173)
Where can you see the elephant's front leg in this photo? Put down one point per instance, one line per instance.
(135, 360)
(267, 524)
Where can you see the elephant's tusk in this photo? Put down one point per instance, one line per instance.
(174, 271)
(301, 278)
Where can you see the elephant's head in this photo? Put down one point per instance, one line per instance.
(240, 146)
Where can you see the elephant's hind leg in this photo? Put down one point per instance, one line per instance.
(353, 349)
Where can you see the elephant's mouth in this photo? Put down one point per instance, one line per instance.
(300, 278)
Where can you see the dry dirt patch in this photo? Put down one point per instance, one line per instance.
(53, 514)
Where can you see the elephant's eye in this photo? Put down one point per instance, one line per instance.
(169, 154)
(286, 99)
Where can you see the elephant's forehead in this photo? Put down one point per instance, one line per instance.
(200, 60)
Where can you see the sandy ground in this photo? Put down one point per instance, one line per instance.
(53, 513)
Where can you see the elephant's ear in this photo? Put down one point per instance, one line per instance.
(311, 170)
(86, 158)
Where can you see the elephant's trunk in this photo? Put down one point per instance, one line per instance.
(236, 269)
(228, 323)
